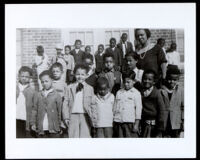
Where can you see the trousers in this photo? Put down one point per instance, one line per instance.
(79, 126)
(122, 130)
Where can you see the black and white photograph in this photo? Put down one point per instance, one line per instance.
(100, 83)
(76, 84)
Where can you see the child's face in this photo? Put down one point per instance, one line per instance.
(46, 82)
(57, 73)
(109, 63)
(67, 50)
(112, 43)
(80, 75)
(172, 80)
(148, 80)
(24, 78)
(100, 49)
(128, 83)
(78, 45)
(59, 51)
(103, 89)
(131, 62)
(88, 62)
(88, 50)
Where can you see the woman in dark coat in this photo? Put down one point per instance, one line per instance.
(150, 56)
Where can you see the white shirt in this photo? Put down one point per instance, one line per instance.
(45, 121)
(148, 92)
(78, 103)
(124, 45)
(103, 110)
(77, 50)
(139, 73)
(21, 103)
(44, 65)
(173, 58)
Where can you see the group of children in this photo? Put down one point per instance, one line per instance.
(105, 99)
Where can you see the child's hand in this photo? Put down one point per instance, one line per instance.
(135, 128)
(33, 127)
(182, 126)
(159, 134)
(67, 122)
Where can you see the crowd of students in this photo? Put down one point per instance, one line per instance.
(115, 93)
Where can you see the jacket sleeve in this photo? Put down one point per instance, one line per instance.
(65, 107)
(138, 105)
(161, 110)
(182, 104)
(34, 112)
(59, 107)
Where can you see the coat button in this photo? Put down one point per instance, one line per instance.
(52, 110)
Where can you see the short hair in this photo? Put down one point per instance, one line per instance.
(172, 69)
(147, 31)
(128, 74)
(56, 65)
(45, 73)
(78, 40)
(40, 48)
(124, 34)
(81, 66)
(160, 40)
(101, 45)
(87, 47)
(113, 39)
(68, 46)
(134, 55)
(25, 69)
(101, 81)
(108, 54)
(149, 71)
(88, 56)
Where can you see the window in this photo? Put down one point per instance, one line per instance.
(115, 33)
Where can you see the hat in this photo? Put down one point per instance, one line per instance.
(59, 46)
(172, 69)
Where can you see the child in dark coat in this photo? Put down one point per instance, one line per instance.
(152, 124)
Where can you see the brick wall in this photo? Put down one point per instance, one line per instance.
(31, 38)
(168, 34)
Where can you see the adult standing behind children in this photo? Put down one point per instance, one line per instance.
(42, 63)
(77, 53)
(150, 56)
(173, 57)
(125, 46)
(116, 53)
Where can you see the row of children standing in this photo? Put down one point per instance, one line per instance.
(114, 100)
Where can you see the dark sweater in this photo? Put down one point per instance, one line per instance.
(153, 108)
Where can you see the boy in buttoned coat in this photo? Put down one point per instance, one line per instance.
(77, 105)
(173, 96)
(46, 112)
(127, 108)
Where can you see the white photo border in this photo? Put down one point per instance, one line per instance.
(160, 15)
